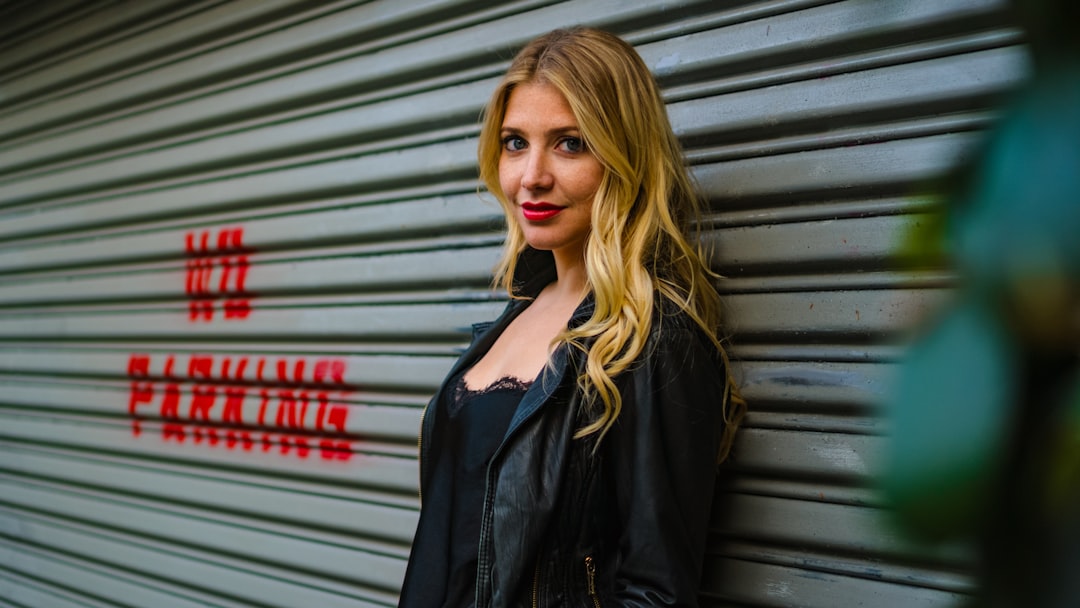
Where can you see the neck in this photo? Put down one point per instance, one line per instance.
(570, 274)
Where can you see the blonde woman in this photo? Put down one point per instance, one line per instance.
(569, 457)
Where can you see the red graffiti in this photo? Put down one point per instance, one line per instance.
(226, 401)
(233, 412)
(138, 365)
(297, 372)
(229, 259)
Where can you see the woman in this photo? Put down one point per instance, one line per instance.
(568, 459)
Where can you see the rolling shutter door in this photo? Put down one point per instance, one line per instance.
(241, 244)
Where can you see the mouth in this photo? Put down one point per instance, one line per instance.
(537, 212)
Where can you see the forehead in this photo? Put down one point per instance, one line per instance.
(538, 105)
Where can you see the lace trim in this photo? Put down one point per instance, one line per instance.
(463, 393)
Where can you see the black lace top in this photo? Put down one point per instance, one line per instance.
(478, 420)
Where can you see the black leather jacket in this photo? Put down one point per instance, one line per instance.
(565, 524)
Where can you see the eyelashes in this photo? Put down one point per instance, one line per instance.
(513, 143)
(574, 145)
(569, 144)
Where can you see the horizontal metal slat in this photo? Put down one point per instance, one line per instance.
(838, 282)
(816, 385)
(360, 372)
(274, 479)
(815, 396)
(315, 507)
(818, 315)
(387, 473)
(400, 322)
(73, 37)
(19, 592)
(883, 351)
(932, 575)
(854, 532)
(240, 27)
(267, 348)
(286, 548)
(359, 420)
(821, 210)
(797, 489)
(146, 58)
(814, 421)
(23, 22)
(825, 315)
(217, 574)
(844, 244)
(454, 268)
(847, 137)
(808, 456)
(436, 162)
(748, 583)
(426, 110)
(377, 221)
(857, 170)
(919, 88)
(212, 309)
(49, 578)
(811, 32)
(430, 55)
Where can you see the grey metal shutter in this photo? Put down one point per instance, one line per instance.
(241, 244)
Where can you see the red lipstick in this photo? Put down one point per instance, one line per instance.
(537, 212)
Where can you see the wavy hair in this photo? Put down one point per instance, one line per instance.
(646, 204)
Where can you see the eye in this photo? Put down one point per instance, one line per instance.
(513, 143)
(573, 145)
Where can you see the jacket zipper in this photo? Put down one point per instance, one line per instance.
(590, 577)
(420, 458)
(536, 586)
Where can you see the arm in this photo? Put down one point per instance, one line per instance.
(663, 451)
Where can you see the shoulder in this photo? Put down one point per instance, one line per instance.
(674, 332)
(676, 387)
(679, 363)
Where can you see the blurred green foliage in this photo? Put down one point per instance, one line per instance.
(986, 427)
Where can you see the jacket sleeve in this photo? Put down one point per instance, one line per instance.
(663, 454)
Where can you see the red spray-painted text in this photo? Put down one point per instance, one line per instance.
(217, 269)
(250, 403)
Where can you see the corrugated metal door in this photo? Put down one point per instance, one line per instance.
(241, 244)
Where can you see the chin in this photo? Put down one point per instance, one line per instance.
(541, 244)
(551, 238)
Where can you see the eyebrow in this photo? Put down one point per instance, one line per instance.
(548, 133)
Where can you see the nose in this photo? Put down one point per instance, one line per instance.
(536, 175)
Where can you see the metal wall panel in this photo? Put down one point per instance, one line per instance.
(241, 242)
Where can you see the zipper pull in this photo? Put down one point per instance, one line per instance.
(590, 573)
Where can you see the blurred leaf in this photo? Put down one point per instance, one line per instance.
(951, 419)
(1022, 212)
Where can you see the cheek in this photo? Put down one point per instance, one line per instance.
(587, 182)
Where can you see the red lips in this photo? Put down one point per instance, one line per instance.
(537, 212)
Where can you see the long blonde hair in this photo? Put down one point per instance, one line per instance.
(645, 203)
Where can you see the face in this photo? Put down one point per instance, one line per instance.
(546, 172)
